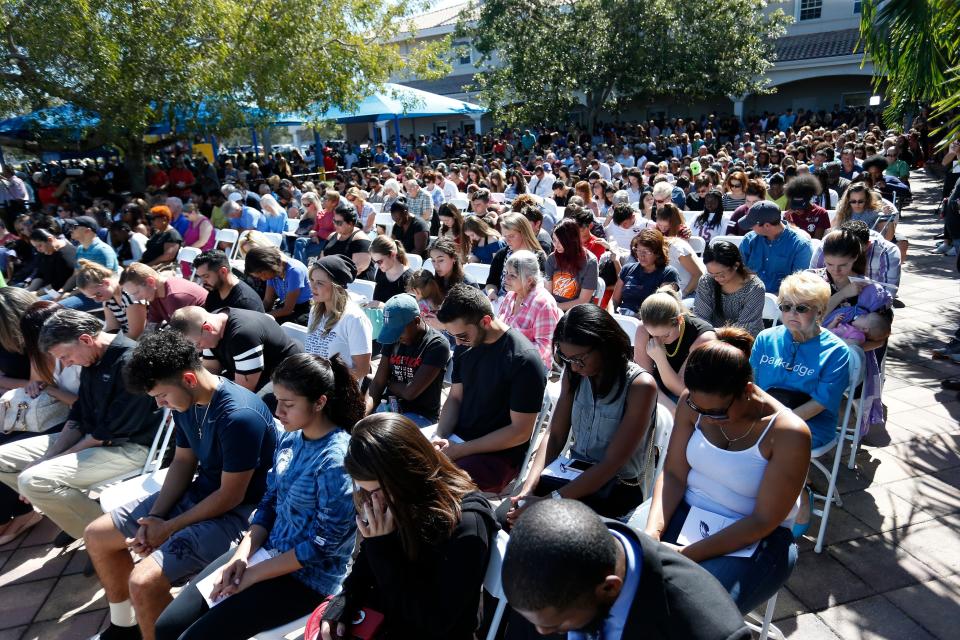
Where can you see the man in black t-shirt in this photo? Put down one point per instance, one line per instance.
(498, 385)
(412, 363)
(226, 289)
(412, 232)
(245, 346)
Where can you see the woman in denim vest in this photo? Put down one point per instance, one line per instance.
(608, 404)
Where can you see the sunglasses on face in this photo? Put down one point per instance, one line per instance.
(786, 307)
(573, 361)
(711, 414)
(735, 185)
(857, 201)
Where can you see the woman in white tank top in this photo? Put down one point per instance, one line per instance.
(735, 467)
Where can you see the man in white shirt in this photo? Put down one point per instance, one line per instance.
(615, 167)
(542, 182)
(449, 187)
(600, 167)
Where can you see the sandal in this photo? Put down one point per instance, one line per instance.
(799, 530)
(16, 528)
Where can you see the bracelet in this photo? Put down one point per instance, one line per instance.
(555, 495)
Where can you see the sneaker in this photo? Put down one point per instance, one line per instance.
(942, 248)
(952, 252)
(952, 384)
(113, 632)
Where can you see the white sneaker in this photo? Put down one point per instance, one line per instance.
(942, 248)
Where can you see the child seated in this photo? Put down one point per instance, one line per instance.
(872, 327)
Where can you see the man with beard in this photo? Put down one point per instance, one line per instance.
(224, 287)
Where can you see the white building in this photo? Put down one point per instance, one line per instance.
(815, 68)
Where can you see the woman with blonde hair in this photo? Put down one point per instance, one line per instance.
(666, 336)
(337, 324)
(273, 214)
(517, 234)
(121, 312)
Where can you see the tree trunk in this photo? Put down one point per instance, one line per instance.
(133, 160)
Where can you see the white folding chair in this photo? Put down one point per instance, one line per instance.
(186, 255)
(292, 225)
(771, 309)
(661, 441)
(363, 288)
(416, 262)
(296, 331)
(230, 237)
(815, 245)
(492, 583)
(478, 271)
(765, 627)
(158, 448)
(275, 238)
(496, 198)
(856, 370)
(599, 292)
(859, 407)
(427, 265)
(385, 220)
(698, 244)
(734, 239)
(690, 216)
(688, 303)
(629, 325)
(291, 631)
(376, 206)
(460, 201)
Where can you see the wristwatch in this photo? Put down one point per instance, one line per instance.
(555, 495)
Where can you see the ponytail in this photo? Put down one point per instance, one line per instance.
(312, 376)
(722, 366)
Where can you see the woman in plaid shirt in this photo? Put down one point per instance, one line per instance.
(527, 306)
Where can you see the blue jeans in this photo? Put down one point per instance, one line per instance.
(76, 301)
(417, 419)
(750, 581)
(305, 248)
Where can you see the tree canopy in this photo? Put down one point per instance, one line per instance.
(916, 58)
(542, 58)
(197, 62)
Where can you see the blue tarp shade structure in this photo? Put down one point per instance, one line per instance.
(67, 120)
(398, 101)
(394, 102)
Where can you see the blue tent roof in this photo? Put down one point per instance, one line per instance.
(66, 118)
(397, 101)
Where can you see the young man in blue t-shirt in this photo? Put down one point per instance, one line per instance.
(225, 436)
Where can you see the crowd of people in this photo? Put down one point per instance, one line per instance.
(360, 452)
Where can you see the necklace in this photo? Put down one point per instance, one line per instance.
(196, 414)
(732, 440)
(683, 327)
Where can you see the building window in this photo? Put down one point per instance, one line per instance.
(858, 6)
(463, 53)
(810, 9)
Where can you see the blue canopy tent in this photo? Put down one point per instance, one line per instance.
(393, 102)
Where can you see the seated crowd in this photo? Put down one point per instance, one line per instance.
(356, 403)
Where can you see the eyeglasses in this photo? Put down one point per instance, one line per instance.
(574, 361)
(664, 201)
(735, 185)
(786, 307)
(857, 201)
(711, 414)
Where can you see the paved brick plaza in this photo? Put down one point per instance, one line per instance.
(892, 565)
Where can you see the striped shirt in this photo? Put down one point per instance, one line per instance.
(119, 309)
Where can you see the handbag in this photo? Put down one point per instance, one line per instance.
(365, 625)
(34, 415)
